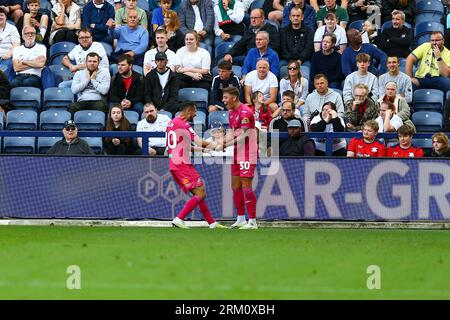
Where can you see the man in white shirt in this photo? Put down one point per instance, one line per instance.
(9, 39)
(153, 122)
(262, 80)
(161, 46)
(28, 60)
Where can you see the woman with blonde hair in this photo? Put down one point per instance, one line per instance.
(295, 82)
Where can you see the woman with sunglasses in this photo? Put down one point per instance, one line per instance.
(295, 82)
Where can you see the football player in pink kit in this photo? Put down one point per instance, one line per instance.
(243, 136)
(179, 137)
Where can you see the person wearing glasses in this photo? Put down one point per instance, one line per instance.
(70, 144)
(360, 109)
(295, 82)
(28, 60)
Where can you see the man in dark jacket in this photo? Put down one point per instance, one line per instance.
(161, 86)
(296, 40)
(98, 15)
(226, 78)
(71, 144)
(240, 49)
(297, 144)
(188, 18)
(127, 86)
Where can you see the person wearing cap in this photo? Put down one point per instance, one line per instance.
(161, 39)
(9, 39)
(297, 144)
(70, 144)
(161, 86)
(127, 86)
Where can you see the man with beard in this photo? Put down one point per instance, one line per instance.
(153, 122)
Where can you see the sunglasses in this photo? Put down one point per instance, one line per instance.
(70, 128)
(292, 68)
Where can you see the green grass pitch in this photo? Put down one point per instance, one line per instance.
(269, 263)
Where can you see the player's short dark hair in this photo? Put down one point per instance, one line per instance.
(232, 91)
(187, 105)
(126, 57)
(225, 65)
(405, 130)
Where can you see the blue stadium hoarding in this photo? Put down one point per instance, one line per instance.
(293, 189)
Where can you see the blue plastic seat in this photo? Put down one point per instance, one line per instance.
(25, 97)
(19, 145)
(108, 48)
(427, 121)
(428, 17)
(222, 49)
(21, 120)
(58, 50)
(57, 98)
(45, 143)
(358, 24)
(61, 73)
(133, 118)
(90, 120)
(430, 6)
(220, 116)
(427, 28)
(167, 113)
(198, 95)
(425, 144)
(53, 119)
(96, 144)
(428, 99)
(1, 121)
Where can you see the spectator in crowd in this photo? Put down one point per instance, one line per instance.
(296, 39)
(197, 15)
(29, 60)
(158, 13)
(91, 85)
(36, 18)
(116, 121)
(404, 85)
(121, 15)
(4, 95)
(228, 22)
(132, 39)
(127, 86)
(362, 75)
(262, 80)
(328, 120)
(161, 86)
(13, 9)
(360, 109)
(262, 113)
(257, 23)
(161, 46)
(406, 6)
(262, 51)
(309, 14)
(331, 6)
(367, 146)
(317, 4)
(174, 35)
(362, 9)
(404, 148)
(320, 96)
(9, 39)
(71, 143)
(66, 17)
(80, 51)
(192, 63)
(440, 146)
(434, 64)
(297, 144)
(328, 62)
(273, 10)
(98, 15)
(369, 33)
(296, 82)
(226, 78)
(388, 121)
(331, 27)
(401, 108)
(153, 122)
(398, 40)
(378, 57)
(154, 4)
(217, 139)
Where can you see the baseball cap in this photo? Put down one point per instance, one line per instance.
(294, 124)
(160, 56)
(70, 123)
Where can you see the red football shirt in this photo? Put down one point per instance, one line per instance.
(368, 150)
(398, 152)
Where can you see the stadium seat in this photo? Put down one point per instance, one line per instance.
(25, 97)
(305, 70)
(19, 145)
(428, 99)
(207, 48)
(428, 17)
(236, 70)
(45, 143)
(21, 120)
(57, 98)
(90, 120)
(430, 6)
(53, 119)
(221, 116)
(58, 50)
(1, 121)
(199, 95)
(61, 73)
(221, 50)
(425, 144)
(96, 144)
(167, 113)
(425, 38)
(358, 24)
(339, 91)
(108, 48)
(427, 121)
(133, 118)
(427, 28)
(256, 4)
(144, 5)
(388, 25)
